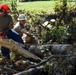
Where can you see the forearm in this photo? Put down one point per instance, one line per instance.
(25, 32)
(11, 26)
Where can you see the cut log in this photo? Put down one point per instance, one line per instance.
(17, 48)
(53, 48)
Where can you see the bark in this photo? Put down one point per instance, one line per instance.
(53, 48)
(17, 48)
(9, 70)
(36, 69)
(32, 71)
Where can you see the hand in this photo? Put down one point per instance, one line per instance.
(24, 31)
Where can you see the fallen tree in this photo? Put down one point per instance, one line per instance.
(61, 53)
(38, 68)
(16, 48)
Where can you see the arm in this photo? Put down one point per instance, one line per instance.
(10, 23)
(25, 32)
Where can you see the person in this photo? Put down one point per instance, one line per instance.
(26, 36)
(19, 27)
(6, 26)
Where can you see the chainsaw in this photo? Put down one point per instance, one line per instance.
(2, 35)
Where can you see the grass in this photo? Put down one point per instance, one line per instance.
(47, 6)
(36, 5)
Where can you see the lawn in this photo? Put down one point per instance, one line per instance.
(47, 6)
(36, 5)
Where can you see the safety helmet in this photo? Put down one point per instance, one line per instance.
(21, 17)
(5, 8)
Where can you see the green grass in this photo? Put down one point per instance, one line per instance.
(36, 5)
(47, 6)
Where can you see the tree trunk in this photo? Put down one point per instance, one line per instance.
(16, 48)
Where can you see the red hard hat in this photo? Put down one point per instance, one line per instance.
(4, 7)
